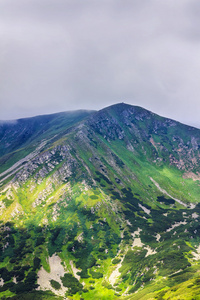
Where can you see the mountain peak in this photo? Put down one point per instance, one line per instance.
(123, 106)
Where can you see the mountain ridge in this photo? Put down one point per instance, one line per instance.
(120, 105)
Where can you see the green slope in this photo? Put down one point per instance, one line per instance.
(114, 201)
(20, 137)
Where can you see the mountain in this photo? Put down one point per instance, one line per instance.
(21, 137)
(99, 205)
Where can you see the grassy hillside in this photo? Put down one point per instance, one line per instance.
(112, 202)
(20, 137)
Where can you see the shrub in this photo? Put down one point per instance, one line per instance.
(83, 274)
(72, 283)
(36, 263)
(7, 202)
(116, 261)
(55, 284)
(93, 197)
(96, 275)
(92, 281)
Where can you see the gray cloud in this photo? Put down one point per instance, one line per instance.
(62, 55)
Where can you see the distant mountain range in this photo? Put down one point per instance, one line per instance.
(99, 205)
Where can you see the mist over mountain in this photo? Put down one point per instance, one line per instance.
(99, 205)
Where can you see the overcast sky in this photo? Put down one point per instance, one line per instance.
(58, 55)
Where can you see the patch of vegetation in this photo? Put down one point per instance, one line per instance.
(164, 200)
(94, 197)
(55, 284)
(116, 261)
(7, 202)
(39, 295)
(96, 275)
(72, 283)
